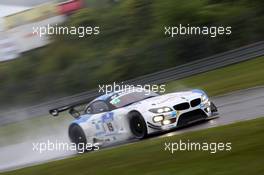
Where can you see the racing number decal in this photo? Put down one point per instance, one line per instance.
(110, 127)
(107, 120)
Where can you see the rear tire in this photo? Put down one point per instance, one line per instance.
(137, 125)
(78, 137)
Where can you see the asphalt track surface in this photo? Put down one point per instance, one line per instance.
(233, 107)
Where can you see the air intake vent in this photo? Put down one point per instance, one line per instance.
(190, 117)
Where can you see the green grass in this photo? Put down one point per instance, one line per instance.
(235, 77)
(149, 157)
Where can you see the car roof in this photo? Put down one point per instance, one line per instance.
(105, 96)
(108, 95)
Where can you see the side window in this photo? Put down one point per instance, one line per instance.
(98, 107)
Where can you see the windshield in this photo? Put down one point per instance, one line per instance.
(126, 98)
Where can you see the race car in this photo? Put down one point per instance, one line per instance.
(124, 115)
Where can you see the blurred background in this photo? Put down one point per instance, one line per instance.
(131, 42)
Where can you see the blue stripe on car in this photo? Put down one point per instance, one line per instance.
(82, 119)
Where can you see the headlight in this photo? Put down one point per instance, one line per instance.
(158, 118)
(204, 99)
(160, 110)
(166, 122)
(167, 109)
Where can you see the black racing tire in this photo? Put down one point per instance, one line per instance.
(213, 107)
(77, 135)
(137, 125)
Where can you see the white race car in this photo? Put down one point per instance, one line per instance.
(124, 115)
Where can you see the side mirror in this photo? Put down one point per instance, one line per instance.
(54, 112)
(76, 114)
(88, 110)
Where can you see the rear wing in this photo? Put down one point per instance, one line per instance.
(55, 112)
(70, 107)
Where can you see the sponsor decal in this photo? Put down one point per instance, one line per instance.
(107, 120)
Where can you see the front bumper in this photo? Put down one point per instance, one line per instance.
(179, 118)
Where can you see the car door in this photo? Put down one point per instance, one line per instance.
(104, 123)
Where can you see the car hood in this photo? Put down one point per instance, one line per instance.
(170, 99)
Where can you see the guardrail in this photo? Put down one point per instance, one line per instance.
(178, 72)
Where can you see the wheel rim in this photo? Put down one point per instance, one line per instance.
(137, 127)
(77, 135)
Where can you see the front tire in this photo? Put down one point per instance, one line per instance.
(137, 125)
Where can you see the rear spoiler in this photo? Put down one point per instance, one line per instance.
(56, 111)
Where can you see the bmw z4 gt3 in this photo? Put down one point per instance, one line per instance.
(124, 115)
